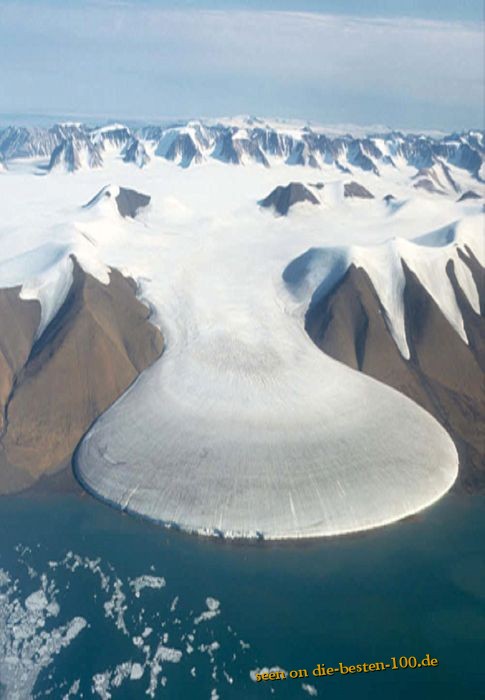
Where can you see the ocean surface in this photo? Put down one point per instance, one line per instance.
(95, 603)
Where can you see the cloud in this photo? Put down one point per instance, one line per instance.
(282, 59)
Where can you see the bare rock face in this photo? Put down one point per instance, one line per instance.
(428, 185)
(355, 189)
(469, 194)
(19, 322)
(283, 198)
(444, 374)
(135, 152)
(129, 202)
(53, 389)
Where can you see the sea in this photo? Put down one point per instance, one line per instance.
(95, 603)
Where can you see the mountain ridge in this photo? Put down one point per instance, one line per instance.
(258, 142)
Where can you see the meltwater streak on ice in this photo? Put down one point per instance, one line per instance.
(244, 428)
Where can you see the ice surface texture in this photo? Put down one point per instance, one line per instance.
(265, 438)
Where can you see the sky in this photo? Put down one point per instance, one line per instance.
(396, 63)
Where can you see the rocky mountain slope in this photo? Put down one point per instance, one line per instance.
(430, 351)
(53, 388)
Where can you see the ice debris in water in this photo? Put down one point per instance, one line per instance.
(141, 582)
(29, 639)
(212, 611)
(33, 630)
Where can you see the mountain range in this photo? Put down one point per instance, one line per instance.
(72, 146)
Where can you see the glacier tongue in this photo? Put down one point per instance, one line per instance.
(255, 435)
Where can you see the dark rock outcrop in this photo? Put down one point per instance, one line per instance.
(135, 152)
(469, 194)
(283, 198)
(354, 189)
(129, 202)
(427, 185)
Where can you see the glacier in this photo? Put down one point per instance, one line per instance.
(244, 428)
(265, 438)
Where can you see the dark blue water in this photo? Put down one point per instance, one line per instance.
(413, 588)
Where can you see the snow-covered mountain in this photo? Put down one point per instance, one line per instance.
(23, 142)
(113, 136)
(428, 257)
(135, 152)
(180, 146)
(74, 153)
(268, 144)
(238, 147)
(125, 201)
(32, 142)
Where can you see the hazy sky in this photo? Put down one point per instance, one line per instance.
(399, 63)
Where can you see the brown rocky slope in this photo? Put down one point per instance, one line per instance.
(51, 390)
(443, 374)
